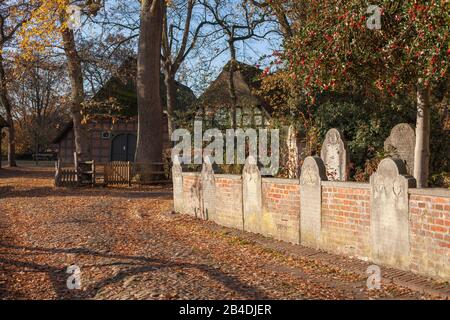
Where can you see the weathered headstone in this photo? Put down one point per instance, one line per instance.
(252, 196)
(389, 217)
(312, 175)
(208, 189)
(335, 156)
(177, 179)
(401, 143)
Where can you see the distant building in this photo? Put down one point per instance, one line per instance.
(215, 104)
(112, 119)
(111, 139)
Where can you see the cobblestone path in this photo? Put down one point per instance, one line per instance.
(128, 245)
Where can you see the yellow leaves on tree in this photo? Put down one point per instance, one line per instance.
(43, 29)
(274, 91)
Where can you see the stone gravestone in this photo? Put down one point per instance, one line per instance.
(312, 174)
(208, 189)
(389, 217)
(177, 179)
(252, 196)
(335, 155)
(401, 144)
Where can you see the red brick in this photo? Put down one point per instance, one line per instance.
(438, 229)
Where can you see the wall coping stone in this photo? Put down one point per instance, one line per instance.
(280, 181)
(346, 184)
(436, 192)
(228, 176)
(191, 174)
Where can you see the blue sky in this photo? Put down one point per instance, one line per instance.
(249, 52)
(195, 73)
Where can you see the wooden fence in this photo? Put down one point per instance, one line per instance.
(65, 177)
(83, 173)
(117, 173)
(127, 173)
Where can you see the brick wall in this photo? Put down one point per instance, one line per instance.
(228, 201)
(281, 207)
(345, 217)
(191, 194)
(430, 233)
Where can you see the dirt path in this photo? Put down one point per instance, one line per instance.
(128, 245)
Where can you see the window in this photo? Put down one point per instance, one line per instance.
(106, 135)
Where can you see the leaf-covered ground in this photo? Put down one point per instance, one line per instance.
(129, 246)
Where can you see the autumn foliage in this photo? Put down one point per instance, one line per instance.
(332, 47)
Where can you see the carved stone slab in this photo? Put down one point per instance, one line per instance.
(401, 144)
(208, 190)
(313, 172)
(252, 197)
(335, 155)
(177, 179)
(389, 217)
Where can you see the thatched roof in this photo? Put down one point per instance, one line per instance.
(121, 88)
(3, 123)
(118, 97)
(246, 82)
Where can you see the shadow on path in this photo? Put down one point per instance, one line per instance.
(137, 264)
(42, 192)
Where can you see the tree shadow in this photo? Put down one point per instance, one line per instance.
(24, 172)
(137, 265)
(42, 192)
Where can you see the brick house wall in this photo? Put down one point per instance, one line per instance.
(101, 145)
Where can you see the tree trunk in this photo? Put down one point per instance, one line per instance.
(4, 101)
(171, 97)
(232, 88)
(150, 135)
(282, 20)
(82, 141)
(11, 139)
(293, 161)
(1, 139)
(422, 149)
